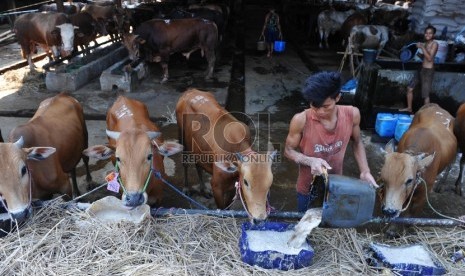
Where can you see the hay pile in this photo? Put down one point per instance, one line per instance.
(68, 242)
(23, 79)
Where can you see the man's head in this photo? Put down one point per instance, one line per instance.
(321, 86)
(430, 28)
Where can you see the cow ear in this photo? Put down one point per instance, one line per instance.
(99, 152)
(226, 167)
(169, 148)
(39, 153)
(423, 161)
(140, 40)
(113, 134)
(390, 147)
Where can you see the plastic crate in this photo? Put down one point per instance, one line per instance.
(272, 259)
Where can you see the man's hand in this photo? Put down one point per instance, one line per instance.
(317, 165)
(366, 176)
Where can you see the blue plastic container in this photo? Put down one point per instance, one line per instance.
(369, 56)
(271, 259)
(349, 202)
(407, 52)
(385, 125)
(279, 46)
(403, 123)
(406, 260)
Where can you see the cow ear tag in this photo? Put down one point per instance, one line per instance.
(112, 182)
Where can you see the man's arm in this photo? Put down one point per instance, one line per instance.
(292, 144)
(359, 150)
(429, 55)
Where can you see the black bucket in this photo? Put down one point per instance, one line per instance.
(349, 202)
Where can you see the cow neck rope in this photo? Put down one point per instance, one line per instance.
(30, 195)
(432, 208)
(239, 192)
(417, 180)
(121, 181)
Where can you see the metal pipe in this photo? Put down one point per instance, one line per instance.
(418, 221)
(161, 212)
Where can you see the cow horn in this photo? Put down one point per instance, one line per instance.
(19, 144)
(113, 134)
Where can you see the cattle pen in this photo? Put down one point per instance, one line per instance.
(265, 93)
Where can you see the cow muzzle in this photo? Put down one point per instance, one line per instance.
(22, 215)
(391, 213)
(134, 199)
(65, 53)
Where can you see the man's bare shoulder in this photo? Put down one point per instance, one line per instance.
(298, 120)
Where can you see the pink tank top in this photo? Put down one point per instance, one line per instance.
(321, 143)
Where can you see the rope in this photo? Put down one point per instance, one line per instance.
(434, 210)
(89, 192)
(158, 175)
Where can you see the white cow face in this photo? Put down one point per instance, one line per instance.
(67, 38)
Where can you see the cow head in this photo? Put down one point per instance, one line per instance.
(134, 156)
(66, 33)
(132, 43)
(255, 179)
(15, 186)
(400, 177)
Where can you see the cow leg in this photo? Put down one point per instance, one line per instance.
(211, 64)
(75, 189)
(459, 182)
(203, 190)
(321, 38)
(186, 190)
(164, 67)
(85, 160)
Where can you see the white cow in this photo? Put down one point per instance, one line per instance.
(368, 37)
(329, 21)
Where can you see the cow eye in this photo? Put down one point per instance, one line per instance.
(117, 159)
(23, 171)
(409, 182)
(246, 183)
(149, 157)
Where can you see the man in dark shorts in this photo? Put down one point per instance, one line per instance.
(429, 50)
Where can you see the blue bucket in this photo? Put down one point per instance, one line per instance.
(407, 52)
(385, 124)
(279, 46)
(369, 56)
(403, 123)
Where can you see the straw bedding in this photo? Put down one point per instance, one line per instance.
(56, 241)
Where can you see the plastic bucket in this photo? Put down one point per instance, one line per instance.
(443, 48)
(407, 52)
(349, 202)
(279, 46)
(261, 45)
(385, 124)
(369, 56)
(403, 123)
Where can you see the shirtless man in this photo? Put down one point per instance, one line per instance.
(429, 50)
(318, 137)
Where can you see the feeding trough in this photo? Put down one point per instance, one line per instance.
(80, 70)
(265, 245)
(123, 75)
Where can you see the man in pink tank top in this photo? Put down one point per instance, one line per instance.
(318, 136)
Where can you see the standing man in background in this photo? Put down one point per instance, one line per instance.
(426, 75)
(271, 30)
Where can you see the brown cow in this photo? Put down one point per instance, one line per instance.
(228, 139)
(87, 32)
(58, 124)
(161, 38)
(459, 131)
(136, 147)
(16, 184)
(428, 146)
(110, 17)
(50, 30)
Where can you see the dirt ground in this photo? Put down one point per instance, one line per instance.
(272, 87)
